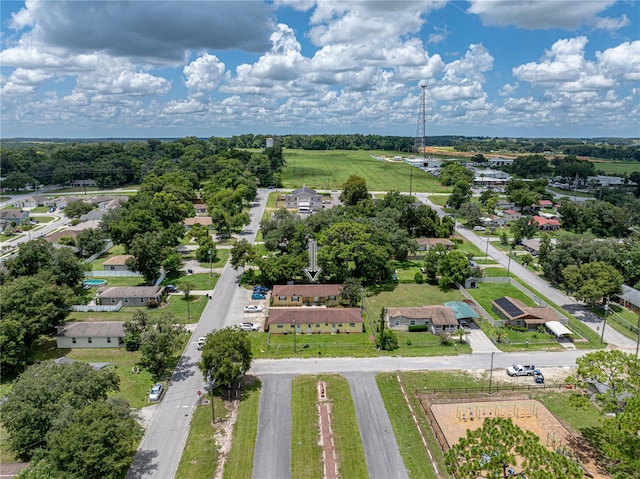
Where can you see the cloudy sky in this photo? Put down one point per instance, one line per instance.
(219, 68)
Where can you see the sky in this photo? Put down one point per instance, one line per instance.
(166, 69)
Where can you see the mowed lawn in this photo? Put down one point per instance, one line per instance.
(331, 169)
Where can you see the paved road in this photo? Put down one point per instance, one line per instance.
(161, 448)
(272, 453)
(378, 440)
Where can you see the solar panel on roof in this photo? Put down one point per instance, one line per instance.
(510, 308)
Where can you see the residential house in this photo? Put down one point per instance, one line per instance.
(129, 295)
(545, 204)
(83, 183)
(200, 207)
(314, 321)
(59, 202)
(306, 294)
(506, 205)
(511, 215)
(532, 246)
(117, 263)
(87, 334)
(496, 220)
(11, 216)
(629, 298)
(29, 202)
(437, 317)
(304, 199)
(546, 224)
(73, 230)
(200, 220)
(425, 244)
(518, 314)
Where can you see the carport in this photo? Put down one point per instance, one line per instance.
(558, 329)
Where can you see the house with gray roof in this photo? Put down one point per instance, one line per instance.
(304, 199)
(129, 295)
(100, 334)
(629, 298)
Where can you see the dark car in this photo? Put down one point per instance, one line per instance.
(260, 289)
(171, 288)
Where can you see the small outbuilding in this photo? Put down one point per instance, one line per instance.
(558, 329)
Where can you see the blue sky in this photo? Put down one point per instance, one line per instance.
(556, 68)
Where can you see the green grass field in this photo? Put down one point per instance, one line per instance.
(306, 453)
(617, 167)
(331, 169)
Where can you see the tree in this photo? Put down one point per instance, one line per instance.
(500, 449)
(452, 172)
(95, 442)
(148, 252)
(44, 394)
(226, 355)
(620, 372)
(160, 340)
(470, 212)
(453, 268)
(461, 194)
(354, 190)
(77, 208)
(592, 282)
(32, 257)
(350, 292)
(90, 241)
(241, 253)
(187, 287)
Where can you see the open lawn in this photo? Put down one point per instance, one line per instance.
(239, 464)
(201, 453)
(331, 169)
(401, 295)
(617, 168)
(306, 453)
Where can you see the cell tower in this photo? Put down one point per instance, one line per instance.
(421, 130)
(419, 145)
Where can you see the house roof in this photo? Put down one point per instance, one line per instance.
(545, 203)
(438, 314)
(128, 291)
(512, 212)
(10, 213)
(558, 328)
(312, 315)
(515, 309)
(307, 290)
(117, 260)
(540, 221)
(303, 190)
(533, 244)
(434, 241)
(461, 310)
(630, 295)
(103, 329)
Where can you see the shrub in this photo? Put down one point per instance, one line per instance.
(408, 342)
(417, 328)
(418, 278)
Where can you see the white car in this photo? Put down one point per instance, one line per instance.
(252, 308)
(201, 341)
(156, 392)
(249, 327)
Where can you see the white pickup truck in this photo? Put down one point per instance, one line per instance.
(521, 370)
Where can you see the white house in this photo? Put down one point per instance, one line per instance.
(102, 334)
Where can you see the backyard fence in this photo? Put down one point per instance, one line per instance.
(94, 308)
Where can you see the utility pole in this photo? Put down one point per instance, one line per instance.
(491, 371)
(606, 311)
(419, 144)
(294, 334)
(210, 264)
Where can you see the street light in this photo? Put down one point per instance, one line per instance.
(491, 371)
(486, 251)
(606, 311)
(293, 322)
(509, 263)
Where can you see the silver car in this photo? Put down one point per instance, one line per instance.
(156, 392)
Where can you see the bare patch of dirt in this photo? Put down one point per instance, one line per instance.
(329, 454)
(224, 436)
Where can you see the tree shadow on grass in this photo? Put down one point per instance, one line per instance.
(381, 288)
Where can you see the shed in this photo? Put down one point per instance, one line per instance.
(558, 329)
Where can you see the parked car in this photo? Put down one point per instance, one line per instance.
(252, 308)
(538, 377)
(258, 296)
(249, 327)
(260, 289)
(171, 288)
(478, 228)
(464, 325)
(521, 370)
(156, 392)
(201, 342)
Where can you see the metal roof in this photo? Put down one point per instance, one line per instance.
(558, 328)
(461, 310)
(630, 295)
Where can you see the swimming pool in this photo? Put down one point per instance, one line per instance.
(94, 282)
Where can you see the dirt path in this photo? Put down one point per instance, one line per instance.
(329, 454)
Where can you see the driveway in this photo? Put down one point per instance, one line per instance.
(480, 343)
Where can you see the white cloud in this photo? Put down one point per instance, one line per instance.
(439, 36)
(621, 62)
(204, 73)
(542, 14)
(508, 89)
